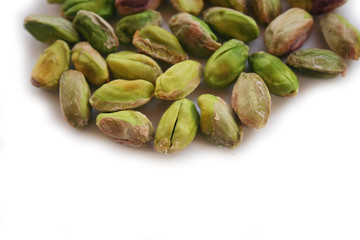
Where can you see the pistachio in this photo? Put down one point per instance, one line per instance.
(131, 66)
(48, 29)
(128, 25)
(193, 7)
(218, 122)
(96, 31)
(239, 5)
(122, 94)
(177, 127)
(341, 36)
(51, 64)
(266, 10)
(104, 8)
(194, 34)
(226, 64)
(55, 1)
(179, 80)
(127, 127)
(159, 43)
(317, 60)
(126, 7)
(317, 6)
(231, 23)
(288, 31)
(278, 77)
(251, 100)
(74, 98)
(90, 62)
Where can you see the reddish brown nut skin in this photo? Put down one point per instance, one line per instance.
(317, 6)
(128, 7)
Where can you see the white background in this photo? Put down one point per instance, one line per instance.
(297, 178)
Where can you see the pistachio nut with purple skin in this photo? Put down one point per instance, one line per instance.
(317, 6)
(104, 8)
(288, 31)
(266, 10)
(218, 122)
(126, 127)
(193, 7)
(159, 43)
(194, 34)
(251, 100)
(238, 5)
(341, 36)
(128, 7)
(74, 95)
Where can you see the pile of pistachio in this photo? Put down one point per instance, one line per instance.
(83, 39)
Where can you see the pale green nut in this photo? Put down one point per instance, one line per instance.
(126, 127)
(317, 60)
(122, 95)
(48, 29)
(341, 36)
(179, 80)
(193, 7)
(90, 62)
(55, 1)
(127, 26)
(50, 65)
(239, 5)
(218, 122)
(97, 31)
(288, 31)
(194, 34)
(231, 23)
(159, 43)
(104, 8)
(177, 127)
(129, 65)
(251, 100)
(266, 10)
(278, 77)
(226, 64)
(74, 95)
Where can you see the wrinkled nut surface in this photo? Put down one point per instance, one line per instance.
(341, 36)
(48, 29)
(129, 65)
(317, 6)
(251, 100)
(288, 32)
(193, 7)
(194, 34)
(128, 7)
(127, 127)
(231, 24)
(218, 122)
(266, 10)
(239, 5)
(179, 80)
(278, 77)
(50, 65)
(177, 127)
(159, 43)
(90, 62)
(317, 60)
(121, 95)
(104, 8)
(226, 64)
(97, 31)
(74, 95)
(128, 25)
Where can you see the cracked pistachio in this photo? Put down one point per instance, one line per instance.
(266, 10)
(97, 31)
(128, 7)
(104, 8)
(177, 127)
(127, 127)
(239, 5)
(194, 34)
(50, 65)
(193, 7)
(218, 122)
(317, 6)
(159, 43)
